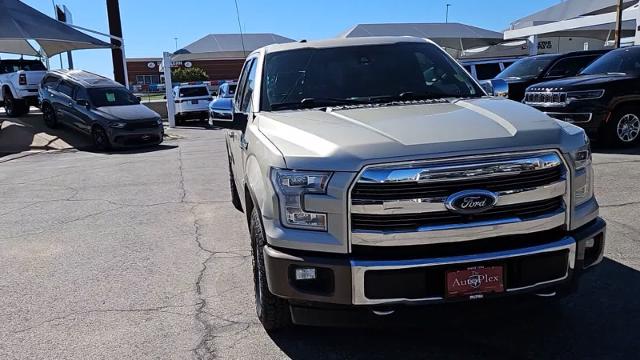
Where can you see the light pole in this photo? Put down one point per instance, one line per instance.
(446, 18)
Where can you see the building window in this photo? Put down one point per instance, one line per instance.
(147, 79)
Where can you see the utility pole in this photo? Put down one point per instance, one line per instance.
(117, 53)
(446, 17)
(619, 24)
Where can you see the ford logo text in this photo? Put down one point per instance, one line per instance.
(471, 202)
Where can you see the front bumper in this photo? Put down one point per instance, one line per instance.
(589, 115)
(374, 282)
(129, 138)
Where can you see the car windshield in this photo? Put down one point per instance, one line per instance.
(193, 91)
(112, 97)
(526, 68)
(316, 77)
(622, 61)
(9, 66)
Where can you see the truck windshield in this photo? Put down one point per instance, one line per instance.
(317, 77)
(621, 61)
(526, 68)
(9, 66)
(112, 97)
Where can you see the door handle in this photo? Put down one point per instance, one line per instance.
(232, 134)
(244, 144)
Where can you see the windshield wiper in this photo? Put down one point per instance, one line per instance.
(308, 103)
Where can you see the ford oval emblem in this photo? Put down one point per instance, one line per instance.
(471, 202)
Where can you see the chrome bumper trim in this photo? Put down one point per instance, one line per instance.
(359, 268)
(395, 207)
(459, 232)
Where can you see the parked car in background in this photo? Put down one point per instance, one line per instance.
(369, 184)
(19, 80)
(532, 70)
(604, 98)
(485, 69)
(99, 107)
(192, 102)
(220, 107)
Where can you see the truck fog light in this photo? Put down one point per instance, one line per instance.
(590, 243)
(305, 274)
(301, 218)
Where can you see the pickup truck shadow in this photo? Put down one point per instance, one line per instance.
(600, 321)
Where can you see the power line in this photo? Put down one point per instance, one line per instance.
(244, 51)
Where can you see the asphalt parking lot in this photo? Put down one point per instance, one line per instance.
(140, 255)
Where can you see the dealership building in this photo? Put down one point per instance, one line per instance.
(221, 56)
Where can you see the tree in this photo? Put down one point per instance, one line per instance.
(180, 75)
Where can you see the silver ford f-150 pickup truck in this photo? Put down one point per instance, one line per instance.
(375, 173)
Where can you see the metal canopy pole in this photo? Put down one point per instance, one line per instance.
(115, 29)
(619, 24)
(168, 88)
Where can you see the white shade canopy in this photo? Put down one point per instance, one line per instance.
(20, 23)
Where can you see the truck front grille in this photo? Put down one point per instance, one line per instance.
(415, 221)
(410, 203)
(546, 98)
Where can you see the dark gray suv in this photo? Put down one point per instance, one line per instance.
(99, 107)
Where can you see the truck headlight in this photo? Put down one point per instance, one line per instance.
(583, 181)
(291, 187)
(584, 95)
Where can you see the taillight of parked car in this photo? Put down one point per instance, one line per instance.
(22, 79)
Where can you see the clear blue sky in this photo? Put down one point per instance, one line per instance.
(150, 26)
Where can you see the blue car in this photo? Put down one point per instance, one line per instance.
(220, 107)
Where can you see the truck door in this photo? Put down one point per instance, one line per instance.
(242, 104)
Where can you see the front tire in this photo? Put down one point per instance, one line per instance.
(100, 139)
(49, 116)
(623, 129)
(273, 312)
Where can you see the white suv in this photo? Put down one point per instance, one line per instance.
(192, 102)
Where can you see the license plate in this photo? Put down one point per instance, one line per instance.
(475, 281)
(194, 102)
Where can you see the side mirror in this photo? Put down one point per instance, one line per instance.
(496, 87)
(139, 98)
(237, 120)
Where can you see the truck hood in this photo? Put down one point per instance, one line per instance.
(128, 112)
(348, 139)
(581, 82)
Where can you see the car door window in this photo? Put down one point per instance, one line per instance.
(569, 66)
(247, 86)
(81, 94)
(66, 88)
(50, 82)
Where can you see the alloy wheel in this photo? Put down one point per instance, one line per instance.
(628, 128)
